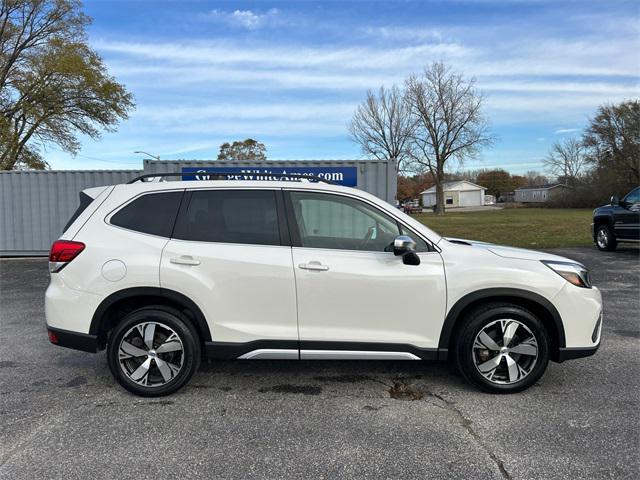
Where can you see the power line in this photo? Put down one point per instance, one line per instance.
(97, 159)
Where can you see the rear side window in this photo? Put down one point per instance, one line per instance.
(85, 201)
(154, 213)
(230, 216)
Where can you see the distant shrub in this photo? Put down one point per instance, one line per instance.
(510, 205)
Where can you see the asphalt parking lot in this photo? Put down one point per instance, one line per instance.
(62, 415)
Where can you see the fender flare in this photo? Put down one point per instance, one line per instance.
(501, 294)
(602, 220)
(171, 295)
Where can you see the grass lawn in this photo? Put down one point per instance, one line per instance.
(518, 227)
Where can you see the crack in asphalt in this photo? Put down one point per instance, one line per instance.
(408, 393)
(48, 420)
(466, 424)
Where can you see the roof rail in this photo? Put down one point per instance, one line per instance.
(226, 175)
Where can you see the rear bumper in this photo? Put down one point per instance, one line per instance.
(75, 340)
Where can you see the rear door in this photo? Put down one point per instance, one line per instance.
(230, 253)
(356, 299)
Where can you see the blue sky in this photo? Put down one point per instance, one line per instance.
(290, 73)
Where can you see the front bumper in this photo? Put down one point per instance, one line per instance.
(581, 312)
(581, 352)
(573, 353)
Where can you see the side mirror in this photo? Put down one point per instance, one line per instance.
(405, 247)
(615, 200)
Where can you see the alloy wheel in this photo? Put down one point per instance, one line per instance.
(505, 351)
(602, 238)
(151, 354)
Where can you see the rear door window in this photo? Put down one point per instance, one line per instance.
(153, 213)
(230, 216)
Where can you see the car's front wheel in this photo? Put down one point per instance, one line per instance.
(153, 352)
(502, 348)
(605, 240)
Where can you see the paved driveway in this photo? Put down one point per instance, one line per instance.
(61, 416)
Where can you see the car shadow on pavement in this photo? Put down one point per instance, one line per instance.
(290, 376)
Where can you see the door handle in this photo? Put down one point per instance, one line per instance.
(314, 266)
(184, 260)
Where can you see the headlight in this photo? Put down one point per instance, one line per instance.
(573, 273)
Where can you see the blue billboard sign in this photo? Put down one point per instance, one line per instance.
(347, 176)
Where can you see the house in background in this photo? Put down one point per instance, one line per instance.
(461, 193)
(539, 193)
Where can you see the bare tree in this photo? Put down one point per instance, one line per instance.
(449, 122)
(567, 159)
(382, 125)
(534, 178)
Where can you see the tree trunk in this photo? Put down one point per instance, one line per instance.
(439, 177)
(439, 198)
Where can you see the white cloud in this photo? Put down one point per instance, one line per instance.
(402, 33)
(560, 86)
(560, 131)
(245, 18)
(199, 93)
(250, 56)
(552, 83)
(171, 114)
(192, 147)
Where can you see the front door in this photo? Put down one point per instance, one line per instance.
(229, 254)
(627, 216)
(355, 298)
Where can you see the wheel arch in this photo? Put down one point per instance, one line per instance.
(534, 302)
(123, 301)
(601, 220)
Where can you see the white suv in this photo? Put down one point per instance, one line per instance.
(162, 273)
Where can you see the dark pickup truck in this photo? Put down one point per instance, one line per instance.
(617, 222)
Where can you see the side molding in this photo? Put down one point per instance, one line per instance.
(364, 350)
(355, 355)
(271, 354)
(254, 350)
(317, 350)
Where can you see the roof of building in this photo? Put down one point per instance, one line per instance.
(457, 185)
(547, 186)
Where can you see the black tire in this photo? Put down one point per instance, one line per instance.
(188, 356)
(485, 316)
(605, 239)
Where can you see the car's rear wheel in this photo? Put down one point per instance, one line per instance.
(502, 348)
(605, 239)
(153, 352)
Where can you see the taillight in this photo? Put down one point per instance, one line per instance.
(62, 252)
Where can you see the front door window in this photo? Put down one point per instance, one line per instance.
(341, 223)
